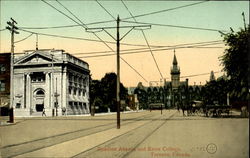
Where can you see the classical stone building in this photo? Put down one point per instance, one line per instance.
(52, 81)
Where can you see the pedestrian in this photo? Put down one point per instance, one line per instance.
(63, 111)
(44, 112)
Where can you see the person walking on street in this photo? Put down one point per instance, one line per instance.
(44, 112)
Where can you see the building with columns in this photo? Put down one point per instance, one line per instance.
(52, 81)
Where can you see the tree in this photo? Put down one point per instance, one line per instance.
(141, 96)
(109, 91)
(216, 91)
(235, 62)
(96, 96)
(103, 93)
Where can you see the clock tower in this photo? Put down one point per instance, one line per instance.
(175, 73)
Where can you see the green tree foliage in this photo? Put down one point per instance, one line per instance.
(96, 96)
(142, 97)
(216, 91)
(103, 93)
(236, 63)
(109, 91)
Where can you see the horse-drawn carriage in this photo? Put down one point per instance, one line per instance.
(199, 108)
(196, 107)
(217, 110)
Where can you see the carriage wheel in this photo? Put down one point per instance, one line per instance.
(210, 113)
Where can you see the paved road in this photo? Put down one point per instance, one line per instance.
(144, 134)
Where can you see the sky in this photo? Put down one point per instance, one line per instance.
(215, 15)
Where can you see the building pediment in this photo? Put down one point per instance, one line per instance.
(35, 58)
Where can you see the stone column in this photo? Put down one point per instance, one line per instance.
(25, 90)
(28, 89)
(64, 88)
(47, 90)
(87, 94)
(51, 91)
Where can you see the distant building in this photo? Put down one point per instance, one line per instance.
(171, 93)
(175, 89)
(4, 83)
(174, 92)
(133, 102)
(131, 90)
(52, 81)
(175, 82)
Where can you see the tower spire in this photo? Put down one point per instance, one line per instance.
(175, 60)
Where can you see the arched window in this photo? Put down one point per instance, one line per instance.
(39, 93)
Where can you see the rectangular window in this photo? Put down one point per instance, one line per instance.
(38, 77)
(2, 85)
(70, 90)
(2, 68)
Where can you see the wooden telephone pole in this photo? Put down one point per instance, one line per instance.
(117, 39)
(118, 101)
(13, 31)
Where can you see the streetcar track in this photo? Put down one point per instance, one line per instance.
(148, 135)
(68, 133)
(124, 134)
(7, 146)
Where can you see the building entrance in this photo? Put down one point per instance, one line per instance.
(39, 102)
(39, 107)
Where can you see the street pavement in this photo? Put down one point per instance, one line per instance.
(143, 134)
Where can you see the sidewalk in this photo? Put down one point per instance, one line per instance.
(4, 119)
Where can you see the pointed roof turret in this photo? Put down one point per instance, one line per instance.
(175, 69)
(175, 60)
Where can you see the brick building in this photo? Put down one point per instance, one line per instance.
(4, 83)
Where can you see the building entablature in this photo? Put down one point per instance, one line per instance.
(47, 58)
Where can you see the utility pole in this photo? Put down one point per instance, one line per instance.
(118, 102)
(36, 41)
(117, 39)
(52, 85)
(13, 31)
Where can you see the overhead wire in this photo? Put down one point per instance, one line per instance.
(61, 36)
(60, 11)
(24, 38)
(165, 10)
(66, 26)
(105, 9)
(143, 51)
(114, 51)
(157, 66)
(176, 26)
(202, 74)
(146, 49)
(102, 41)
(93, 40)
(154, 24)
